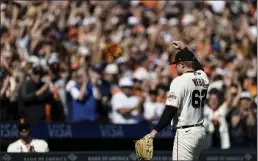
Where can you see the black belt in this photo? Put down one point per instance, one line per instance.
(187, 126)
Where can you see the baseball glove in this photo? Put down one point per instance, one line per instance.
(144, 148)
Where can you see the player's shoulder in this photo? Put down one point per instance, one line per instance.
(17, 142)
(40, 141)
(13, 147)
(179, 80)
(203, 76)
(201, 72)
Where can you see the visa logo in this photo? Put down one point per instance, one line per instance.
(9, 131)
(60, 131)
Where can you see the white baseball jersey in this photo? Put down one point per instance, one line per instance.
(188, 93)
(18, 146)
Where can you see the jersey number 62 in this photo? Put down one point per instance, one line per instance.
(199, 98)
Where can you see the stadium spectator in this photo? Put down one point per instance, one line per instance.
(83, 106)
(34, 95)
(243, 122)
(102, 93)
(126, 107)
(5, 101)
(215, 120)
(123, 66)
(71, 83)
(152, 109)
(59, 107)
(161, 97)
(110, 75)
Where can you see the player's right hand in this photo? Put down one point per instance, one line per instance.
(178, 45)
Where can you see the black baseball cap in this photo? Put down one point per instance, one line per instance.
(186, 55)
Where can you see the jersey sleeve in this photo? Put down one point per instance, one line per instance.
(175, 93)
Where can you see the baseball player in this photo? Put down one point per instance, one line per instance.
(184, 105)
(26, 143)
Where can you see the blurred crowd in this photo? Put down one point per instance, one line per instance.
(108, 62)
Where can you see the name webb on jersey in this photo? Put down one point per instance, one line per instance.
(188, 92)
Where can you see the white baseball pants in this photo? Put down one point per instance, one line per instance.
(188, 143)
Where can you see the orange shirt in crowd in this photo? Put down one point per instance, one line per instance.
(252, 88)
(200, 47)
(148, 3)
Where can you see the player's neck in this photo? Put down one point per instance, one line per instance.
(189, 71)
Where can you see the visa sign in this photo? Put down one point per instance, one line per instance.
(111, 131)
(9, 131)
(59, 131)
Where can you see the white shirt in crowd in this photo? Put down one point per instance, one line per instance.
(39, 146)
(153, 110)
(220, 115)
(120, 100)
